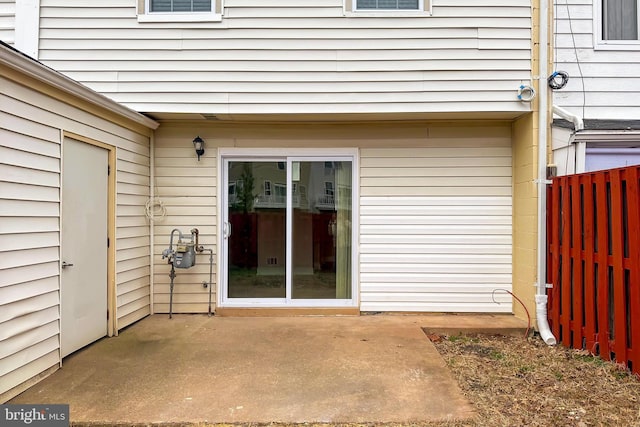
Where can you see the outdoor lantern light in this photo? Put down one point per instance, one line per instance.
(198, 144)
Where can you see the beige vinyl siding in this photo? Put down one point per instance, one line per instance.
(188, 188)
(7, 21)
(604, 81)
(435, 225)
(31, 126)
(435, 209)
(132, 232)
(29, 231)
(296, 57)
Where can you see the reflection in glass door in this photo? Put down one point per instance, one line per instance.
(288, 231)
(321, 235)
(256, 230)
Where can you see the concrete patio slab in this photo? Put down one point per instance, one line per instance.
(196, 369)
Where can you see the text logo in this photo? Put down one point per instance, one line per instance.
(34, 415)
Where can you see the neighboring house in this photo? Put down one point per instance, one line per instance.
(597, 42)
(358, 155)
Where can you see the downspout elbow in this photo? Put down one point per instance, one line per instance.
(541, 318)
(577, 121)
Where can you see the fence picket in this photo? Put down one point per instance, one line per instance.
(554, 267)
(633, 203)
(617, 256)
(590, 330)
(575, 285)
(602, 251)
(565, 250)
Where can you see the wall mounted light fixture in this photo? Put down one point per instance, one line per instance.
(198, 144)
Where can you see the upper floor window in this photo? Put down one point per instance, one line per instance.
(180, 5)
(387, 4)
(387, 7)
(179, 10)
(619, 19)
(617, 24)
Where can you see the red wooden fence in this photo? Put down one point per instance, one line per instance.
(594, 263)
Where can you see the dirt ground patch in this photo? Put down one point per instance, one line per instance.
(517, 382)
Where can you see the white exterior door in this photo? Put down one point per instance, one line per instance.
(84, 245)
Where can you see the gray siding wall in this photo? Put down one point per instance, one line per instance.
(604, 80)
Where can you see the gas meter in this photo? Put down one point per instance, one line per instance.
(184, 255)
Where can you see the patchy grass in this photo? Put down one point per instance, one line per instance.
(517, 382)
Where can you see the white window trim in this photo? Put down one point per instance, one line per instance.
(424, 9)
(213, 16)
(599, 43)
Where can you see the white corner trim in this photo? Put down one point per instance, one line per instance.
(27, 27)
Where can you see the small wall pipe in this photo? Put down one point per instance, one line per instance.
(578, 123)
(200, 249)
(210, 276)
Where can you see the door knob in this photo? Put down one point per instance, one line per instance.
(65, 264)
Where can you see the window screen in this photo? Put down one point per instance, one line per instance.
(388, 4)
(620, 19)
(180, 5)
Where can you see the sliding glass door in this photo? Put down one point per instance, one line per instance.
(288, 231)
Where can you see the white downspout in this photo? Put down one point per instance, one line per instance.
(578, 123)
(543, 90)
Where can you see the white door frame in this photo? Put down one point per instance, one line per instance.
(112, 323)
(288, 155)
